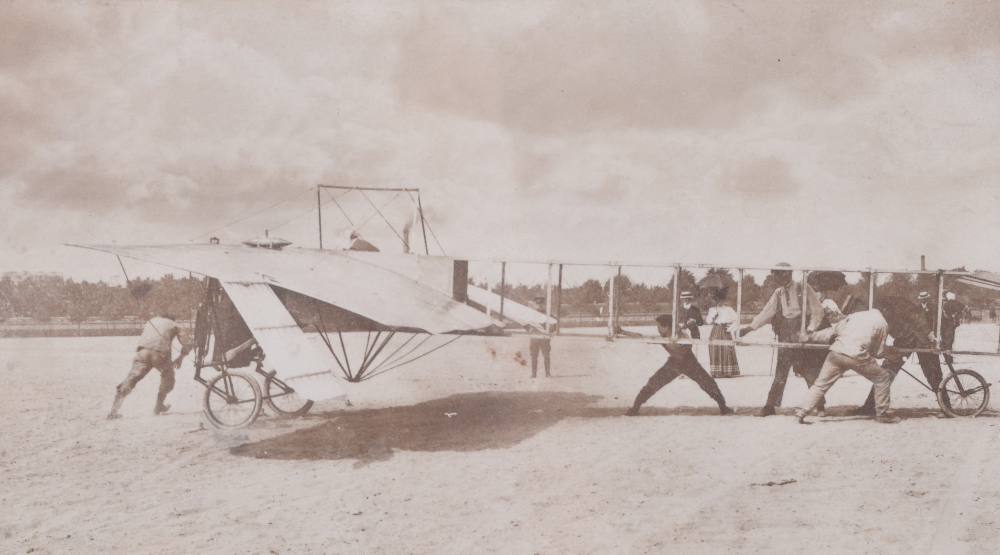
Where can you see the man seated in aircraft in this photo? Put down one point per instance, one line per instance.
(539, 344)
(154, 351)
(857, 340)
(359, 244)
(680, 360)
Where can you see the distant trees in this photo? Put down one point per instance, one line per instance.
(45, 297)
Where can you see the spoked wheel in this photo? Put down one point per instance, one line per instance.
(282, 398)
(232, 400)
(963, 393)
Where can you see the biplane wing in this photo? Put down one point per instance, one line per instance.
(356, 285)
(519, 313)
(979, 278)
(302, 366)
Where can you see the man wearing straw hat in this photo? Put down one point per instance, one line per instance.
(784, 312)
(689, 315)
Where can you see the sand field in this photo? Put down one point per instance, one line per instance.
(462, 452)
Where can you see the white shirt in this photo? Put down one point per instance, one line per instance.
(861, 335)
(724, 315)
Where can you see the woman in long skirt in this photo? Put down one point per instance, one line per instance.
(723, 319)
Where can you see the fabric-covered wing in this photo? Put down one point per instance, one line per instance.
(355, 285)
(517, 312)
(979, 278)
(294, 358)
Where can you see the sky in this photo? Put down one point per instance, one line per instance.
(838, 134)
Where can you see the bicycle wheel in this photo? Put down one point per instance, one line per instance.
(232, 400)
(282, 399)
(963, 393)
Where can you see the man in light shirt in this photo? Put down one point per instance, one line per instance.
(154, 351)
(784, 312)
(858, 340)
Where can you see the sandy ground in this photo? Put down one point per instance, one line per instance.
(463, 452)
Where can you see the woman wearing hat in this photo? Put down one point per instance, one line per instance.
(722, 318)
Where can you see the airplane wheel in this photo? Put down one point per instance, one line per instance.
(232, 400)
(282, 399)
(963, 393)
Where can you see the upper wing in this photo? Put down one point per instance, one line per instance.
(359, 286)
(517, 312)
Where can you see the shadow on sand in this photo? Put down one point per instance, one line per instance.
(465, 422)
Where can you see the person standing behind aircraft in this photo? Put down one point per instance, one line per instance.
(784, 311)
(689, 315)
(722, 318)
(154, 352)
(543, 344)
(359, 244)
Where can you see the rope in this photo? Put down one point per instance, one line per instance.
(251, 215)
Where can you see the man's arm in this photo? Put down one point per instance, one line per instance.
(695, 314)
(878, 348)
(184, 340)
(766, 314)
(815, 308)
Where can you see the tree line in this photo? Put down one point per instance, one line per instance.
(43, 298)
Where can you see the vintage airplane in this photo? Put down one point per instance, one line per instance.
(325, 315)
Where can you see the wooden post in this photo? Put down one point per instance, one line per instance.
(940, 307)
(805, 299)
(676, 301)
(503, 284)
(559, 302)
(739, 305)
(872, 276)
(548, 298)
(319, 209)
(611, 306)
(423, 231)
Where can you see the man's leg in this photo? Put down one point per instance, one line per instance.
(533, 348)
(882, 378)
(141, 365)
(546, 346)
(785, 359)
(931, 365)
(810, 361)
(691, 368)
(660, 378)
(834, 367)
(166, 386)
(894, 363)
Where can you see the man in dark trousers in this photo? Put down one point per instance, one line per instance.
(539, 344)
(689, 315)
(154, 351)
(909, 329)
(784, 311)
(680, 361)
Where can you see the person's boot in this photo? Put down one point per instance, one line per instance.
(644, 394)
(160, 409)
(800, 416)
(726, 411)
(887, 419)
(766, 410)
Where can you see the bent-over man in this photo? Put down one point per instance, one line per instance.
(858, 340)
(681, 360)
(154, 352)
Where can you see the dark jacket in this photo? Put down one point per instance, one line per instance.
(693, 313)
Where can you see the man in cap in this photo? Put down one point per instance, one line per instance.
(539, 344)
(681, 360)
(857, 340)
(784, 311)
(951, 317)
(689, 315)
(359, 244)
(154, 351)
